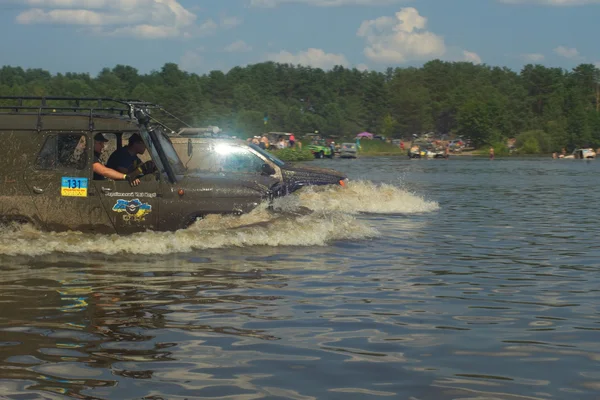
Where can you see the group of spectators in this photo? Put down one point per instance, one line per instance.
(282, 142)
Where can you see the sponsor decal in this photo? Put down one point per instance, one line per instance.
(132, 210)
(131, 194)
(74, 187)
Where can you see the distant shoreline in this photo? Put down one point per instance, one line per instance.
(470, 153)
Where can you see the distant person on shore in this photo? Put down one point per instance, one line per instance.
(292, 140)
(264, 142)
(281, 143)
(401, 144)
(491, 153)
(447, 151)
(555, 155)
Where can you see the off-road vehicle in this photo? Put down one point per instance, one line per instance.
(46, 178)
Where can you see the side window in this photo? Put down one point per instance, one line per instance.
(203, 158)
(109, 147)
(63, 151)
(222, 158)
(242, 160)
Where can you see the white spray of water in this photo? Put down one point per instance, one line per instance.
(311, 217)
(365, 196)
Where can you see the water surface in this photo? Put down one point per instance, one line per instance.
(424, 279)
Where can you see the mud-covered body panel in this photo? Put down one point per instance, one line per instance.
(204, 194)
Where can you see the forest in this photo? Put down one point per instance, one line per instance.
(544, 108)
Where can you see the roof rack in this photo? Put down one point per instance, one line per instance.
(77, 104)
(88, 106)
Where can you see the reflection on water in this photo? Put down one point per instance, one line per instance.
(450, 280)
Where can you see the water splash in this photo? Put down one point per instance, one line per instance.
(366, 197)
(258, 228)
(311, 217)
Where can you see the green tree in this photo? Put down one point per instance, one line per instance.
(249, 123)
(388, 126)
(488, 104)
(474, 123)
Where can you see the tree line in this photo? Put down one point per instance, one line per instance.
(544, 108)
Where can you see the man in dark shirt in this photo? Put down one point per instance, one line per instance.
(126, 158)
(100, 171)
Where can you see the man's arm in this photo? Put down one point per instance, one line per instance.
(112, 174)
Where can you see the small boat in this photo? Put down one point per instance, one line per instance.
(435, 154)
(582, 154)
(415, 152)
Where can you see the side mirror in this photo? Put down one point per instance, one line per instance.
(190, 148)
(267, 169)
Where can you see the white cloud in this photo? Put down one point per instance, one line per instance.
(206, 28)
(567, 52)
(597, 64)
(533, 57)
(401, 38)
(148, 19)
(558, 3)
(230, 22)
(469, 56)
(323, 3)
(192, 60)
(145, 32)
(238, 47)
(312, 57)
(362, 67)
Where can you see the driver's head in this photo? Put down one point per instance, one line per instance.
(99, 141)
(137, 144)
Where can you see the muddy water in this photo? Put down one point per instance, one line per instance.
(423, 279)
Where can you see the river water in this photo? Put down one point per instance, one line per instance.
(423, 279)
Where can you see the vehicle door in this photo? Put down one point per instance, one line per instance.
(59, 181)
(229, 172)
(131, 209)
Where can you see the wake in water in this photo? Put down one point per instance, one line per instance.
(310, 217)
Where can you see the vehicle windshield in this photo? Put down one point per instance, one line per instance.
(167, 147)
(268, 155)
(170, 152)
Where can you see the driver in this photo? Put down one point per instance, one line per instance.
(126, 159)
(101, 172)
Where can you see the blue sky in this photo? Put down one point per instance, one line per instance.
(203, 35)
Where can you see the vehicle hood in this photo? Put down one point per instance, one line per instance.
(307, 175)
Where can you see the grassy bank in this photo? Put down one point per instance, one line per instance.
(380, 148)
(292, 154)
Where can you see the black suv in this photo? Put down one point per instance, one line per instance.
(46, 157)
